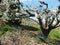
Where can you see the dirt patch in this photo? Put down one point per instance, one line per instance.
(20, 38)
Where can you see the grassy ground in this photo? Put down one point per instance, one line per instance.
(6, 30)
(54, 34)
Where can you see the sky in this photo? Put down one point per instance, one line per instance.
(52, 4)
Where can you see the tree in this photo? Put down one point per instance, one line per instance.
(59, 0)
(47, 20)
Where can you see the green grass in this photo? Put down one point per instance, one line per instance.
(38, 40)
(55, 34)
(32, 27)
(6, 28)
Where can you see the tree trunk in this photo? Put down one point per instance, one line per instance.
(45, 32)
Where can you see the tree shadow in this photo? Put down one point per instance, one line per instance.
(57, 42)
(23, 27)
(30, 28)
